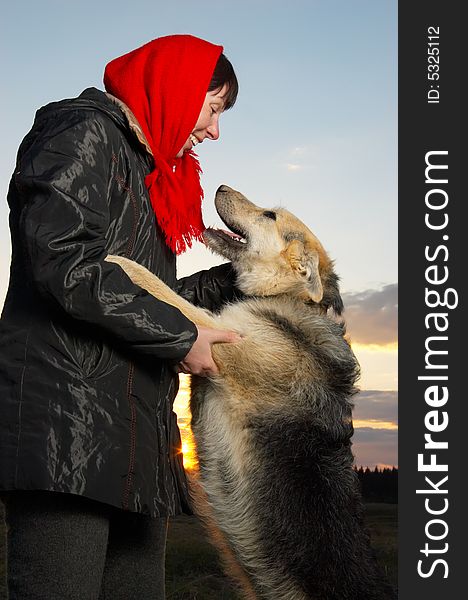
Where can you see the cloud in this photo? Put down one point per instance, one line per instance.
(371, 315)
(299, 151)
(370, 405)
(297, 158)
(373, 447)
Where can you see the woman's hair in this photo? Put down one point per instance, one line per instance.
(223, 74)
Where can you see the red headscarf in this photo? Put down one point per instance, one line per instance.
(164, 84)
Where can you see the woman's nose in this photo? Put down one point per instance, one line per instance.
(213, 130)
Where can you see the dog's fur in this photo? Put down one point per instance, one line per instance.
(276, 484)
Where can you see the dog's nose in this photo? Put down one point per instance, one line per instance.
(224, 188)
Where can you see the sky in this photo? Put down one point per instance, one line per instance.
(314, 130)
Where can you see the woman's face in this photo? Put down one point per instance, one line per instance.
(207, 125)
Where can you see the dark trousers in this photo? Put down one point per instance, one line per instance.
(64, 547)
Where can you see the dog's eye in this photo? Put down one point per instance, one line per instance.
(270, 215)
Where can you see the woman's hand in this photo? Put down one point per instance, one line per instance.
(199, 360)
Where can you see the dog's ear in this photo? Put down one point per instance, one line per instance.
(306, 265)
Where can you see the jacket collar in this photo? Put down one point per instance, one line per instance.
(132, 121)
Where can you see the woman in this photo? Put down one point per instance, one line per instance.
(90, 463)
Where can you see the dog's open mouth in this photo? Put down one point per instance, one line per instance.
(232, 242)
(229, 243)
(228, 236)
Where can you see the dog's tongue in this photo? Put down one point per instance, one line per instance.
(234, 236)
(231, 234)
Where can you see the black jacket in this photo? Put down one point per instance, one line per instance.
(86, 384)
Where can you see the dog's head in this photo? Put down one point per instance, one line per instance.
(273, 252)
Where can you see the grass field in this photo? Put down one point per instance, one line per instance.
(382, 521)
(193, 571)
(192, 567)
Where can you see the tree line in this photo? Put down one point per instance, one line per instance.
(379, 485)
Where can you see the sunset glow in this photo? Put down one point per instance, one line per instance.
(391, 348)
(374, 424)
(181, 407)
(188, 446)
(379, 366)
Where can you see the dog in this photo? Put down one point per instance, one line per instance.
(276, 486)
